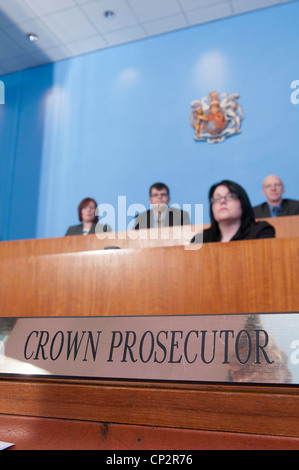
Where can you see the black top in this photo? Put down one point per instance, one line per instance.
(78, 229)
(252, 231)
(288, 207)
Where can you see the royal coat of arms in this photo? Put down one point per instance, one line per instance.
(217, 119)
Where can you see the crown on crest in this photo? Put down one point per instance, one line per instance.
(214, 97)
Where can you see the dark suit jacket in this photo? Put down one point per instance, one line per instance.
(173, 217)
(78, 229)
(288, 207)
(253, 231)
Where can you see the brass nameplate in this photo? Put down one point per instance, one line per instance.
(255, 348)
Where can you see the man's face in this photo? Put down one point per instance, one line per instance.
(273, 189)
(159, 199)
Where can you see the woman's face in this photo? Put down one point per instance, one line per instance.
(88, 212)
(226, 206)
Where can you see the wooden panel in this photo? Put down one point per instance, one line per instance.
(286, 227)
(134, 239)
(48, 434)
(251, 276)
(230, 408)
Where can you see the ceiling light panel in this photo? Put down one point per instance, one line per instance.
(70, 25)
(46, 37)
(153, 9)
(122, 36)
(124, 17)
(162, 25)
(210, 13)
(41, 7)
(15, 11)
(189, 5)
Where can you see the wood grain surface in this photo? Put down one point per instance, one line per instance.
(286, 227)
(224, 408)
(53, 434)
(240, 277)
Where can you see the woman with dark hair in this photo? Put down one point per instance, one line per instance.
(232, 216)
(88, 218)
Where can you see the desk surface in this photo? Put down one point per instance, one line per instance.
(239, 277)
(286, 227)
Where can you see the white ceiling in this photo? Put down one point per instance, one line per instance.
(67, 28)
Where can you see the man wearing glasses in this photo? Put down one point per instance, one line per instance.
(160, 215)
(276, 205)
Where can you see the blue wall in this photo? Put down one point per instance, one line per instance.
(112, 122)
